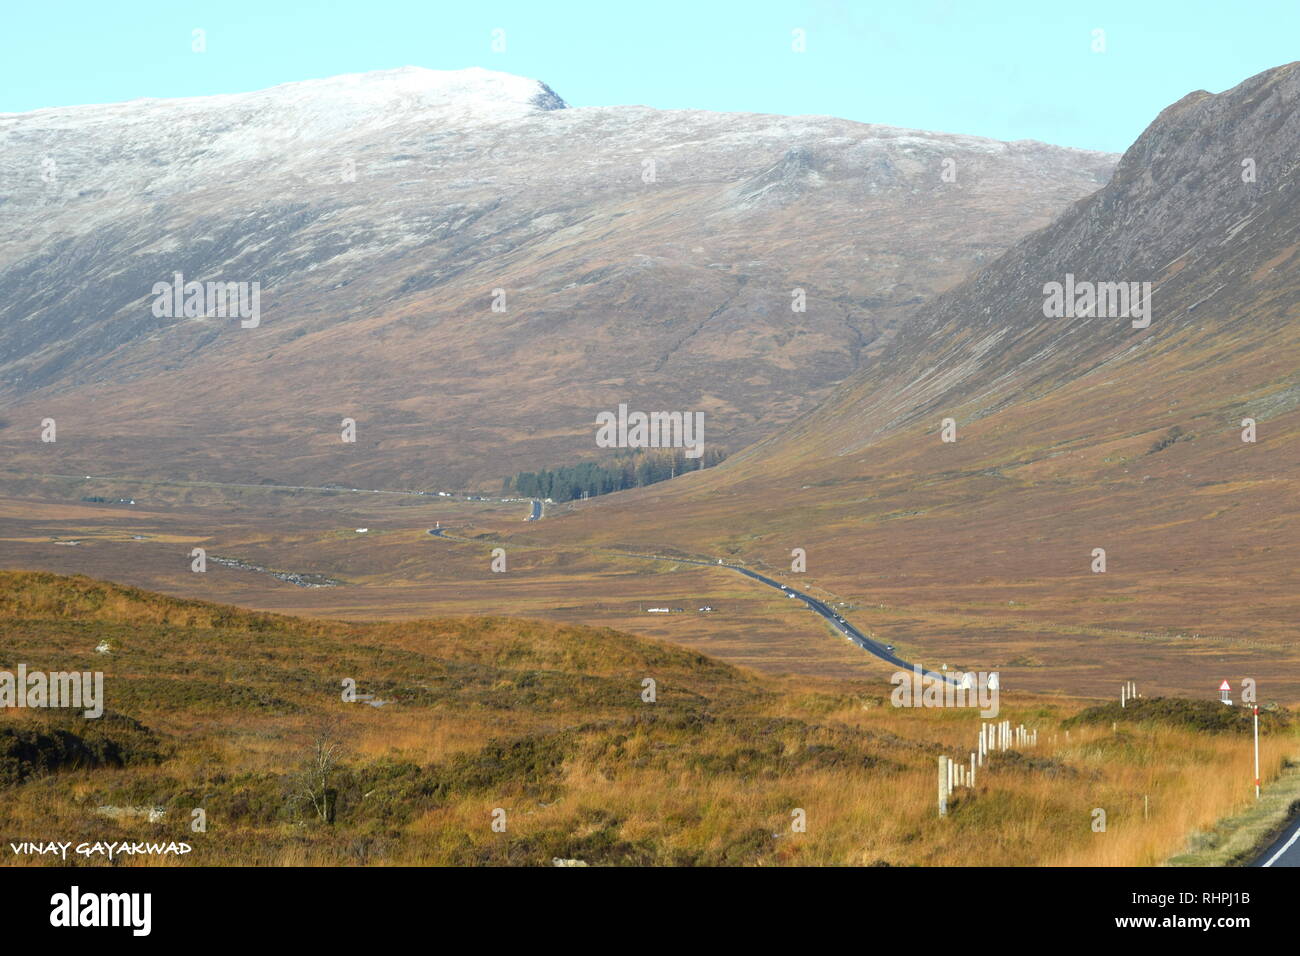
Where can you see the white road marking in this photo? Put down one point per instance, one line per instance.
(1295, 836)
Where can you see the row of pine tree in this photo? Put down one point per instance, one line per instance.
(590, 478)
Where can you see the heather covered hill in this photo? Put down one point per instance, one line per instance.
(642, 256)
(460, 722)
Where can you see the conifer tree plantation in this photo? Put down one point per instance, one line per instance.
(591, 478)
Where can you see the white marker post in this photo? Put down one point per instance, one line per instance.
(1257, 751)
(943, 786)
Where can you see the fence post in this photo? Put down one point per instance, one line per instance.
(943, 786)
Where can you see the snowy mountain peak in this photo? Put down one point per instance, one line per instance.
(168, 145)
(487, 94)
(329, 107)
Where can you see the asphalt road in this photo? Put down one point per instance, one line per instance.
(821, 608)
(325, 489)
(833, 618)
(1285, 850)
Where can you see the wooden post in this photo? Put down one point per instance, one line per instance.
(972, 771)
(943, 786)
(1256, 751)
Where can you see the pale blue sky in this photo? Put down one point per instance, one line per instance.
(1010, 70)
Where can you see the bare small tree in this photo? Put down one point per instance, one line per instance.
(320, 766)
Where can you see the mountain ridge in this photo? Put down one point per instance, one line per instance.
(636, 241)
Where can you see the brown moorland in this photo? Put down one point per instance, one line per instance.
(228, 711)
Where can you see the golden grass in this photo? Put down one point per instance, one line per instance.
(710, 774)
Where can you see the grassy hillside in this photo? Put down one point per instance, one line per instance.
(235, 712)
(1172, 447)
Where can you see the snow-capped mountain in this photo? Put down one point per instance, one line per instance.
(634, 255)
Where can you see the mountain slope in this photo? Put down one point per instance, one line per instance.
(1071, 435)
(381, 212)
